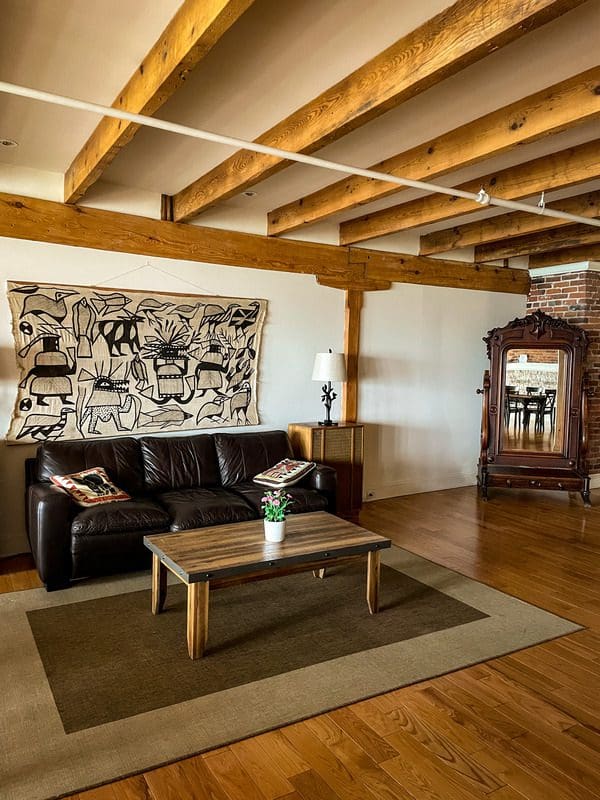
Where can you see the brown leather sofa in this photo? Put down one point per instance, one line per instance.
(176, 483)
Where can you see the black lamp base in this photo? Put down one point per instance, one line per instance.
(328, 423)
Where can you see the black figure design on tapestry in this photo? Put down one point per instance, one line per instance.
(45, 427)
(108, 401)
(84, 319)
(164, 418)
(121, 335)
(239, 404)
(169, 353)
(138, 371)
(211, 366)
(213, 410)
(109, 303)
(49, 377)
(44, 305)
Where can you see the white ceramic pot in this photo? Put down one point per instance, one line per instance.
(274, 531)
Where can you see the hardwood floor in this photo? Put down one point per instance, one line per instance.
(522, 726)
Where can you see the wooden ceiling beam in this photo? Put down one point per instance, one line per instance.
(78, 226)
(190, 35)
(573, 255)
(556, 171)
(401, 268)
(460, 35)
(507, 226)
(555, 109)
(568, 236)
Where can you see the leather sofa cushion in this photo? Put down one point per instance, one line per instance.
(243, 455)
(304, 499)
(123, 517)
(120, 457)
(179, 462)
(199, 508)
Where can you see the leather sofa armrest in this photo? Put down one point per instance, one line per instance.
(50, 513)
(324, 480)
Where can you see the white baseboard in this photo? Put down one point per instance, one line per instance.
(435, 484)
(413, 485)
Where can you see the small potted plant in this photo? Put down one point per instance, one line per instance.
(275, 506)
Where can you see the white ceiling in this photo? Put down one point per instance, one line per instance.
(275, 58)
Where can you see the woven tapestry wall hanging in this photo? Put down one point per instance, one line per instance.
(104, 362)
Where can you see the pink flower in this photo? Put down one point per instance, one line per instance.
(276, 503)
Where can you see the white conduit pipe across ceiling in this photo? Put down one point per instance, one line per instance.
(482, 198)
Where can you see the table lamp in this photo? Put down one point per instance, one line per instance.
(329, 367)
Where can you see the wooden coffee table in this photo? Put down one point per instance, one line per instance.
(222, 555)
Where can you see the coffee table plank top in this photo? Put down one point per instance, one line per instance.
(221, 551)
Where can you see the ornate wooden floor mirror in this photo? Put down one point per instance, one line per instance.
(533, 431)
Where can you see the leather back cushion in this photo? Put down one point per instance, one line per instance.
(179, 462)
(243, 455)
(120, 457)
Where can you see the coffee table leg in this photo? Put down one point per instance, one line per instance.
(320, 573)
(159, 584)
(373, 572)
(197, 618)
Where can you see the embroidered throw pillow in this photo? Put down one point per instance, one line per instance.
(91, 487)
(284, 473)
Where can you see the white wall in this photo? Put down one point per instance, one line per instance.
(302, 319)
(422, 358)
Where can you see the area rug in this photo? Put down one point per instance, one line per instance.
(96, 688)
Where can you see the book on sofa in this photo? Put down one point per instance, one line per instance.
(286, 472)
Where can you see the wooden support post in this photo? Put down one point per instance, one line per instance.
(354, 301)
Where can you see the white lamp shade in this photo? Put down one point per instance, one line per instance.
(329, 367)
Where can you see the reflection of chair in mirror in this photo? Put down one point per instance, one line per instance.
(532, 389)
(550, 408)
(512, 406)
(540, 410)
(534, 404)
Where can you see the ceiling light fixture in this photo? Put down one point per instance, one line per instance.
(8, 143)
(288, 155)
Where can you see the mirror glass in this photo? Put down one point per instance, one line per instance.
(534, 398)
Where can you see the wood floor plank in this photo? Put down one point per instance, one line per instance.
(424, 776)
(286, 758)
(311, 786)
(262, 768)
(325, 763)
(190, 779)
(378, 783)
(375, 746)
(231, 776)
(423, 736)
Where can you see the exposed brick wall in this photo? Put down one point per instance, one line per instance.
(537, 356)
(575, 297)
